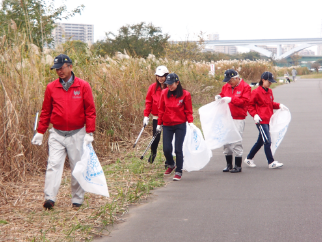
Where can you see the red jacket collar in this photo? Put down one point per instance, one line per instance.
(75, 84)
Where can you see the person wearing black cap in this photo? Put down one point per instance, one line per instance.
(68, 105)
(175, 109)
(236, 93)
(152, 104)
(261, 107)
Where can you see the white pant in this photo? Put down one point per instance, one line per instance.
(236, 148)
(59, 147)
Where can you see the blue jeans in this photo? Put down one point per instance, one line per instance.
(168, 132)
(259, 143)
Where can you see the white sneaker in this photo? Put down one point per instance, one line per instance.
(275, 164)
(249, 162)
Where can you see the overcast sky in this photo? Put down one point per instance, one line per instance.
(234, 19)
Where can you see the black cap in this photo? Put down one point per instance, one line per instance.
(171, 78)
(230, 73)
(268, 76)
(60, 61)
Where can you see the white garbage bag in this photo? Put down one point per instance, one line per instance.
(278, 126)
(89, 173)
(173, 147)
(196, 153)
(217, 125)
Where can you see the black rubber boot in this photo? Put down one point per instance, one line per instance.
(237, 168)
(229, 159)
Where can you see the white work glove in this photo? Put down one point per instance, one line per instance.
(145, 121)
(226, 99)
(217, 97)
(37, 139)
(257, 119)
(283, 107)
(192, 126)
(159, 127)
(88, 139)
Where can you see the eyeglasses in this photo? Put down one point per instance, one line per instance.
(62, 68)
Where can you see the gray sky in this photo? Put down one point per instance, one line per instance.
(234, 19)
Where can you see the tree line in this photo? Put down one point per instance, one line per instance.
(35, 19)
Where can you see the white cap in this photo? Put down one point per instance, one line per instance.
(161, 70)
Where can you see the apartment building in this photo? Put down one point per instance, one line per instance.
(68, 32)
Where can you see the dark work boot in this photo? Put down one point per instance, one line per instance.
(229, 159)
(237, 168)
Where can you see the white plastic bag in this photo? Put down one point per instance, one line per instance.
(278, 126)
(195, 150)
(173, 146)
(89, 173)
(217, 124)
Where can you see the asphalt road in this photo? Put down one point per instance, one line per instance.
(258, 204)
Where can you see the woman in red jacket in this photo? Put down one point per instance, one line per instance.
(261, 108)
(175, 109)
(151, 106)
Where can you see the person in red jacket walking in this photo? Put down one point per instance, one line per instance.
(175, 109)
(151, 106)
(236, 93)
(68, 105)
(261, 109)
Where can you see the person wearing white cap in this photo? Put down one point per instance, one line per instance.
(151, 106)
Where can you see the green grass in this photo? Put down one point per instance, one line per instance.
(3, 222)
(312, 76)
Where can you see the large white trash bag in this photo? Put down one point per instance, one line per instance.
(217, 125)
(89, 173)
(278, 126)
(196, 153)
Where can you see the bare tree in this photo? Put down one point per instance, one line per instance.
(315, 66)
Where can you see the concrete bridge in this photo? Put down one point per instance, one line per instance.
(302, 43)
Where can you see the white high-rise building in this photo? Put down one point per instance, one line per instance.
(226, 49)
(288, 47)
(67, 32)
(306, 52)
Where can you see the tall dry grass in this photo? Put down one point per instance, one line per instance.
(281, 71)
(119, 86)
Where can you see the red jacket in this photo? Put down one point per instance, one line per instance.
(240, 96)
(262, 103)
(68, 110)
(173, 110)
(152, 100)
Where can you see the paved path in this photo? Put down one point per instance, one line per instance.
(258, 204)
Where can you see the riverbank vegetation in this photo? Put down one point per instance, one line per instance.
(119, 82)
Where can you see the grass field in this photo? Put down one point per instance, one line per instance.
(312, 76)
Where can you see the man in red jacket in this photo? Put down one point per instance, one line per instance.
(68, 105)
(236, 93)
